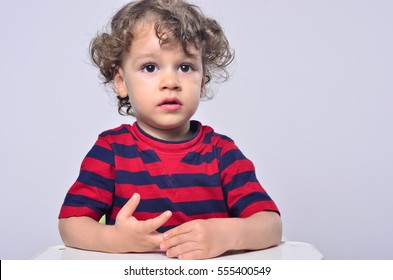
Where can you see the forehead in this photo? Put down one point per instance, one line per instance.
(146, 37)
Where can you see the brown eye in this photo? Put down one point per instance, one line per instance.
(150, 68)
(185, 68)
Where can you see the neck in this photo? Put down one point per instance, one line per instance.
(173, 135)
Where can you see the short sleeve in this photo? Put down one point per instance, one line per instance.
(92, 193)
(244, 194)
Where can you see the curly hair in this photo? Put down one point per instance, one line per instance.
(174, 20)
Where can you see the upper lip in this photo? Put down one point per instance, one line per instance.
(170, 101)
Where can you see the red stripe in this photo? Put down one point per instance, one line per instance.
(102, 143)
(204, 168)
(259, 207)
(72, 211)
(91, 192)
(160, 168)
(137, 165)
(238, 193)
(225, 145)
(243, 165)
(99, 167)
(188, 194)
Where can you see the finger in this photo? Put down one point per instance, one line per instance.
(154, 238)
(155, 223)
(171, 241)
(179, 230)
(174, 241)
(128, 209)
(185, 250)
(193, 255)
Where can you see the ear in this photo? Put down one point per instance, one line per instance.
(119, 83)
(203, 88)
(203, 91)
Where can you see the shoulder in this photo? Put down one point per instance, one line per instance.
(122, 129)
(121, 135)
(216, 139)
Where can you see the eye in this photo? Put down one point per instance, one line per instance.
(186, 68)
(149, 68)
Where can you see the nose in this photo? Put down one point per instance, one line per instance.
(169, 80)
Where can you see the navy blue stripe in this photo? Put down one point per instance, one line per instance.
(93, 179)
(195, 158)
(143, 178)
(115, 132)
(125, 151)
(202, 180)
(101, 154)
(109, 221)
(160, 205)
(76, 200)
(230, 157)
(239, 180)
(149, 156)
(246, 201)
(165, 228)
(132, 151)
(208, 137)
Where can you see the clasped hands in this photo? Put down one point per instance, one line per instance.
(198, 239)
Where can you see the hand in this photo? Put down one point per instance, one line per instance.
(198, 239)
(131, 235)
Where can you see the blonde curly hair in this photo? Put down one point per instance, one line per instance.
(174, 20)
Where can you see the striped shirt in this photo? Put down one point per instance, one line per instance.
(203, 177)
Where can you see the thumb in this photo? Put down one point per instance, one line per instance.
(128, 209)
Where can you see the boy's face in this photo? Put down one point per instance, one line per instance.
(163, 83)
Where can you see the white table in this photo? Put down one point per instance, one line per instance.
(287, 250)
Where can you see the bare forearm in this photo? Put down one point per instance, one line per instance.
(202, 239)
(85, 233)
(127, 235)
(259, 231)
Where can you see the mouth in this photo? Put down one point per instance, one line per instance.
(170, 101)
(170, 104)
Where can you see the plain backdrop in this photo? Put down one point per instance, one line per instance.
(310, 101)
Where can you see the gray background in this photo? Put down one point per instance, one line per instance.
(310, 102)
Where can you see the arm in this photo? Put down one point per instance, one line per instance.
(127, 235)
(201, 239)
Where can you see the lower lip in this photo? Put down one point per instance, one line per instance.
(170, 107)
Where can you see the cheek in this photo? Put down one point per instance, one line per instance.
(194, 101)
(135, 90)
(136, 101)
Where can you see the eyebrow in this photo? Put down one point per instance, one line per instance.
(146, 55)
(154, 55)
